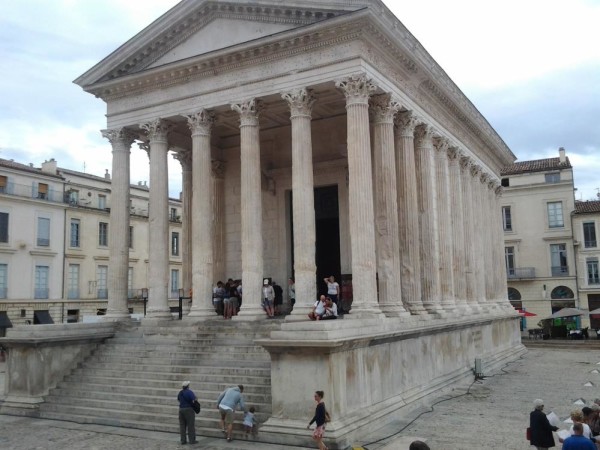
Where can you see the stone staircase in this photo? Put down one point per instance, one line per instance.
(133, 379)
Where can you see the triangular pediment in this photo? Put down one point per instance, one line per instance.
(218, 34)
(197, 27)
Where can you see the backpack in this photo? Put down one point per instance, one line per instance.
(327, 416)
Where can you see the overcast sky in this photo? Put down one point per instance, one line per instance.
(532, 67)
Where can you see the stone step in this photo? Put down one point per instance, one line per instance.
(221, 344)
(179, 368)
(197, 387)
(166, 380)
(133, 357)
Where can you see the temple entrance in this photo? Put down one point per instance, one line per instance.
(327, 224)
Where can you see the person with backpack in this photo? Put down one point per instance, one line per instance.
(321, 417)
(187, 416)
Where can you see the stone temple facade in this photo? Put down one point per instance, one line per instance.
(317, 138)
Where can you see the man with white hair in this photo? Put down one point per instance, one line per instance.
(541, 430)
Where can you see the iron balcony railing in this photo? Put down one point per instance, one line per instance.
(29, 191)
(521, 272)
(560, 271)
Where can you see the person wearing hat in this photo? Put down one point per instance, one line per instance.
(268, 298)
(187, 416)
(541, 430)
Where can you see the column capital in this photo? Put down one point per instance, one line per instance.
(484, 177)
(201, 122)
(184, 156)
(441, 144)
(499, 191)
(157, 130)
(465, 163)
(249, 111)
(119, 136)
(475, 170)
(145, 145)
(454, 154)
(218, 169)
(300, 101)
(383, 108)
(406, 123)
(423, 134)
(357, 88)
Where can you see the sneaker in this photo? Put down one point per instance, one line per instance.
(229, 439)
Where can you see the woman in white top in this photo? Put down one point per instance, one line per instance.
(577, 417)
(333, 290)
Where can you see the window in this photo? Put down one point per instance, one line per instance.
(41, 282)
(103, 234)
(102, 201)
(42, 191)
(513, 294)
(553, 177)
(101, 282)
(506, 218)
(3, 280)
(558, 258)
(43, 232)
(73, 197)
(592, 271)
(562, 292)
(130, 293)
(505, 182)
(130, 237)
(173, 214)
(3, 184)
(509, 257)
(555, 215)
(74, 233)
(73, 281)
(174, 283)
(3, 227)
(589, 234)
(175, 244)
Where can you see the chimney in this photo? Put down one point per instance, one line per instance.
(107, 175)
(561, 155)
(49, 166)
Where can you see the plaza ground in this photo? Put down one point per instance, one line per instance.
(488, 413)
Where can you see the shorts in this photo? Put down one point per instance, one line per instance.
(267, 303)
(319, 432)
(227, 415)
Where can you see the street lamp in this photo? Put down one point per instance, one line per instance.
(145, 298)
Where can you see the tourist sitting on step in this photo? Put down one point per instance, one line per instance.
(227, 402)
(318, 309)
(331, 311)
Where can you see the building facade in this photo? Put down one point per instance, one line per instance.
(54, 241)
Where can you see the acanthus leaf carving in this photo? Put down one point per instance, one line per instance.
(357, 88)
(383, 108)
(249, 111)
(300, 101)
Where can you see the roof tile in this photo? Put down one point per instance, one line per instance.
(536, 165)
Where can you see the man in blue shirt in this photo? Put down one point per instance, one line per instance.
(577, 441)
(187, 416)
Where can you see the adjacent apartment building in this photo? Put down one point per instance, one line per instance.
(54, 244)
(545, 232)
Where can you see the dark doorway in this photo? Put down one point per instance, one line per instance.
(327, 224)
(327, 219)
(594, 303)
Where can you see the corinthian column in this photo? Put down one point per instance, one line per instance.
(493, 242)
(459, 263)
(468, 233)
(429, 244)
(477, 236)
(357, 90)
(408, 219)
(444, 221)
(158, 306)
(185, 158)
(252, 239)
(383, 110)
(200, 125)
(121, 140)
(300, 103)
(485, 246)
(218, 208)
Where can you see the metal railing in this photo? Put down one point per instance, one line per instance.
(28, 191)
(560, 271)
(521, 272)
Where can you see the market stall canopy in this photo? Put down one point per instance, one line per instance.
(525, 313)
(595, 312)
(567, 312)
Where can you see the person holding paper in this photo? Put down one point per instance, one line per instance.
(541, 430)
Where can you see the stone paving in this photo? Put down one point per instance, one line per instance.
(491, 413)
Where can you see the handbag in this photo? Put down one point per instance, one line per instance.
(528, 433)
(196, 406)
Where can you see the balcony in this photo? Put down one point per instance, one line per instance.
(560, 271)
(27, 191)
(520, 273)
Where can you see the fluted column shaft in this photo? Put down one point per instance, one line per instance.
(408, 218)
(118, 231)
(218, 209)
(444, 221)
(200, 125)
(185, 158)
(300, 103)
(158, 267)
(251, 215)
(501, 294)
(383, 110)
(357, 90)
(458, 228)
(479, 263)
(485, 239)
(429, 242)
(469, 231)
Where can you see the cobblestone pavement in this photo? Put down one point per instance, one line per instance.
(492, 413)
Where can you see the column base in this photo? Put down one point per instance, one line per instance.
(298, 313)
(250, 314)
(394, 311)
(364, 313)
(158, 314)
(116, 316)
(202, 313)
